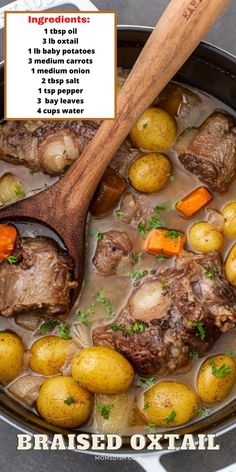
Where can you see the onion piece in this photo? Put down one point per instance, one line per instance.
(71, 350)
(120, 413)
(26, 388)
(28, 321)
(215, 218)
(81, 335)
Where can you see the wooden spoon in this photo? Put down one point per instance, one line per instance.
(63, 206)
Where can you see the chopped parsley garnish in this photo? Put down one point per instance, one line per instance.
(105, 410)
(66, 167)
(151, 427)
(171, 417)
(223, 370)
(165, 284)
(64, 331)
(136, 328)
(18, 190)
(171, 177)
(84, 314)
(145, 382)
(155, 222)
(226, 131)
(173, 234)
(210, 273)
(96, 234)
(119, 213)
(101, 297)
(138, 257)
(144, 125)
(160, 257)
(200, 328)
(166, 206)
(194, 354)
(188, 128)
(203, 412)
(137, 274)
(69, 401)
(146, 405)
(26, 289)
(143, 231)
(12, 259)
(48, 326)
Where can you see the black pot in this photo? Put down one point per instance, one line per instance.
(210, 70)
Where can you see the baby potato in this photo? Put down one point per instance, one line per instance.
(170, 403)
(150, 172)
(216, 378)
(10, 188)
(229, 214)
(205, 238)
(63, 402)
(230, 266)
(102, 370)
(48, 355)
(154, 131)
(11, 356)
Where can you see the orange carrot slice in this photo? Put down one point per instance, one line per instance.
(8, 237)
(165, 241)
(194, 201)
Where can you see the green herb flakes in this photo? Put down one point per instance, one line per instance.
(105, 410)
(48, 326)
(101, 298)
(200, 327)
(12, 260)
(69, 401)
(64, 331)
(83, 315)
(223, 370)
(137, 274)
(170, 418)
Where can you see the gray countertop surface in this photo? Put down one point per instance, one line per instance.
(132, 12)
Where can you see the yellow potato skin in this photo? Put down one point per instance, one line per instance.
(154, 131)
(210, 388)
(48, 355)
(229, 214)
(11, 356)
(205, 238)
(150, 172)
(52, 407)
(168, 396)
(102, 370)
(230, 266)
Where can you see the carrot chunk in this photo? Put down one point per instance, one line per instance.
(8, 236)
(165, 241)
(194, 201)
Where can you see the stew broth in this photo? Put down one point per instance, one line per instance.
(118, 288)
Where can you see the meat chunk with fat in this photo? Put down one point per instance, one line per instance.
(39, 282)
(167, 317)
(114, 249)
(48, 146)
(210, 151)
(212, 287)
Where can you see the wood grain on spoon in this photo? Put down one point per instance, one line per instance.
(64, 205)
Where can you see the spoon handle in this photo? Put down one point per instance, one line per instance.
(178, 32)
